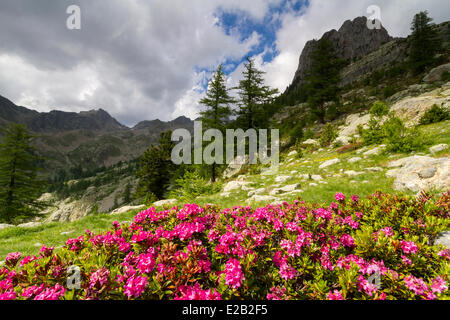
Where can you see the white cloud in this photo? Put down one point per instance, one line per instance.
(324, 15)
(139, 59)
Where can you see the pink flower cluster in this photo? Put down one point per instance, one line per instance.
(201, 253)
(233, 273)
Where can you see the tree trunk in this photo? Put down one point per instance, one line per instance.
(213, 172)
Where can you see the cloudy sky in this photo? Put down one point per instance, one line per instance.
(148, 59)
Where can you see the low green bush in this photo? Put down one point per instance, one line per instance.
(192, 185)
(435, 114)
(329, 133)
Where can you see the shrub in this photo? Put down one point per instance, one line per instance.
(349, 147)
(445, 76)
(289, 251)
(192, 185)
(373, 134)
(379, 109)
(296, 133)
(328, 135)
(388, 91)
(309, 134)
(435, 114)
(299, 148)
(401, 139)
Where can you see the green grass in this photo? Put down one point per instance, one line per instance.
(24, 240)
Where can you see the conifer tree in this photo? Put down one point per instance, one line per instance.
(424, 43)
(155, 170)
(323, 78)
(253, 95)
(20, 185)
(217, 111)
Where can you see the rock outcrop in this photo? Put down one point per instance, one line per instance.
(419, 173)
(351, 42)
(127, 208)
(436, 73)
(68, 211)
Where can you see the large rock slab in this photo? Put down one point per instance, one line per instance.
(68, 211)
(329, 163)
(418, 173)
(166, 202)
(30, 224)
(438, 148)
(4, 226)
(127, 208)
(281, 179)
(236, 166)
(288, 188)
(436, 73)
(351, 125)
(256, 192)
(411, 109)
(234, 185)
(354, 159)
(260, 198)
(444, 239)
(375, 151)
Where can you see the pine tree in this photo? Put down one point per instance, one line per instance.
(217, 111)
(127, 194)
(20, 185)
(253, 95)
(323, 78)
(424, 43)
(155, 170)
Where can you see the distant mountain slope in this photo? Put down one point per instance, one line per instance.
(56, 121)
(90, 139)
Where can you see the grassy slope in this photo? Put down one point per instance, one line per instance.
(29, 240)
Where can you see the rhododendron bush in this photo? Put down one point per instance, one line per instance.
(374, 248)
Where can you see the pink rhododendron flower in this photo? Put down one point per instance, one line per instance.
(276, 293)
(33, 291)
(366, 286)
(444, 253)
(135, 286)
(339, 196)
(417, 285)
(347, 240)
(53, 293)
(9, 295)
(196, 293)
(27, 260)
(287, 271)
(146, 262)
(13, 258)
(324, 213)
(408, 247)
(406, 261)
(46, 251)
(336, 295)
(355, 198)
(438, 285)
(233, 273)
(99, 278)
(349, 221)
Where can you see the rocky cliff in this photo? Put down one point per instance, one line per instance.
(351, 42)
(366, 50)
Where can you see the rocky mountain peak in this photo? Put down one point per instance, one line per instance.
(352, 41)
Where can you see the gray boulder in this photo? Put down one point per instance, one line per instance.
(436, 73)
(418, 173)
